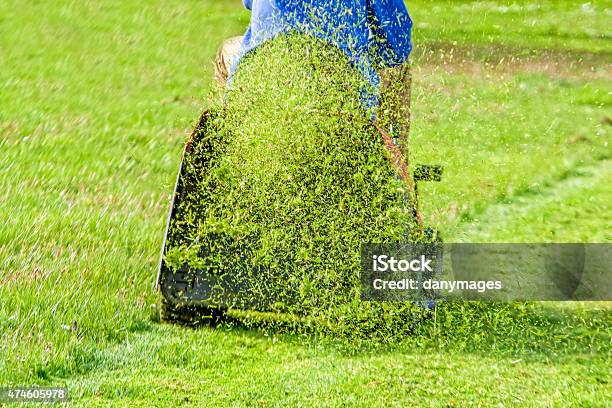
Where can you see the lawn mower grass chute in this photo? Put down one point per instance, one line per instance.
(281, 185)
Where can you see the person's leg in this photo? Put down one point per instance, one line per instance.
(225, 58)
(394, 101)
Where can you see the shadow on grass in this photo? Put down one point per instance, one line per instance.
(529, 330)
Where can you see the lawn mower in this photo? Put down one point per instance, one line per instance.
(191, 294)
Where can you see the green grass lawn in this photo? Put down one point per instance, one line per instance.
(96, 99)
